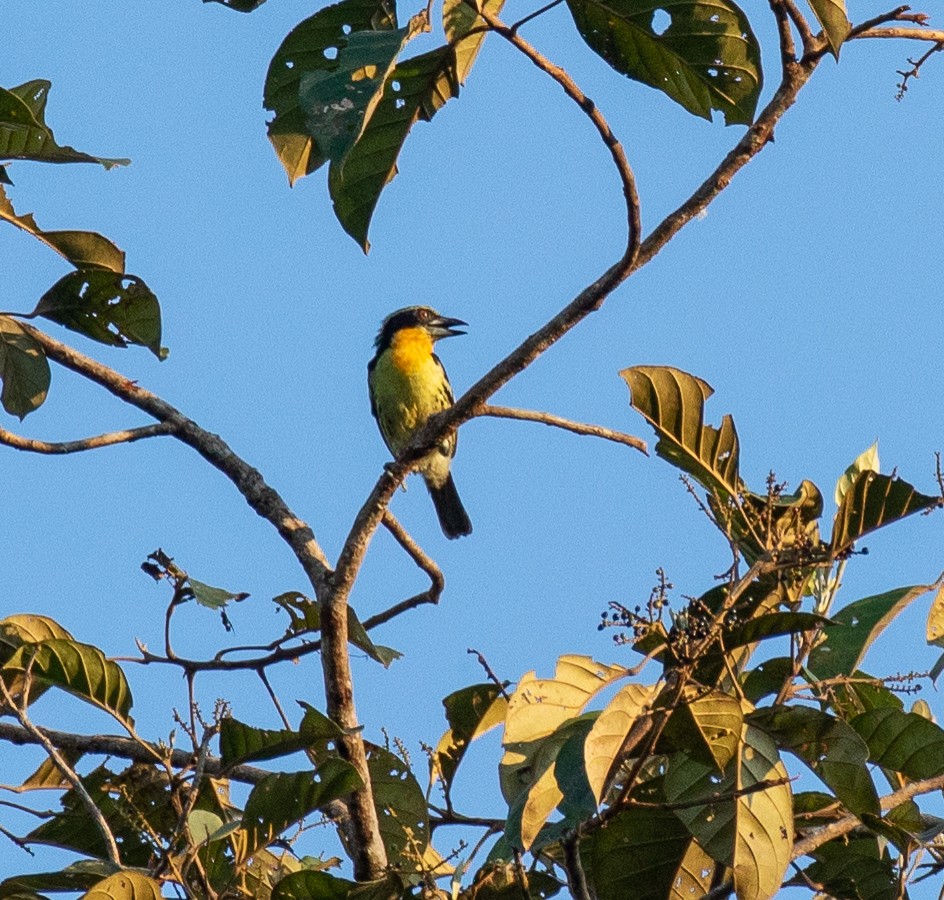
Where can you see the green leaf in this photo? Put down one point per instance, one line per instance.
(283, 799)
(751, 833)
(866, 461)
(125, 886)
(830, 747)
(24, 369)
(24, 133)
(903, 742)
(470, 712)
(836, 25)
(401, 806)
(770, 625)
(81, 248)
(766, 678)
(133, 806)
(336, 104)
(204, 824)
(707, 57)
(416, 90)
(241, 743)
(855, 627)
(646, 854)
(106, 306)
(852, 869)
(213, 597)
(79, 876)
(604, 745)
(312, 886)
(80, 669)
(872, 502)
(305, 617)
(312, 47)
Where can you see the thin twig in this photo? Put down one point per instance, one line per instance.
(62, 764)
(915, 69)
(273, 697)
(538, 12)
(528, 415)
(483, 662)
(128, 436)
(422, 559)
(827, 833)
(589, 108)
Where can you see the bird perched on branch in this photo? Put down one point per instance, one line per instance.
(408, 384)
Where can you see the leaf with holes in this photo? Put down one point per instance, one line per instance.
(855, 627)
(751, 833)
(125, 885)
(872, 502)
(241, 743)
(336, 104)
(80, 669)
(401, 807)
(415, 91)
(312, 47)
(283, 799)
(903, 742)
(471, 712)
(704, 56)
(836, 25)
(81, 248)
(24, 369)
(604, 745)
(829, 746)
(24, 133)
(108, 307)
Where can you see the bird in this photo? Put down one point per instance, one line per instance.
(408, 384)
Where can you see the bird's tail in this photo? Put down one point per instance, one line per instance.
(452, 515)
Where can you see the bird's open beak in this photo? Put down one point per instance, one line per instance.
(443, 327)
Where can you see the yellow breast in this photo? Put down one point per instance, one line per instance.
(408, 386)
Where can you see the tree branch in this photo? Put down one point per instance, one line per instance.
(125, 748)
(826, 833)
(369, 855)
(248, 480)
(62, 764)
(527, 415)
(127, 436)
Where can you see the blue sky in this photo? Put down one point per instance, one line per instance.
(808, 296)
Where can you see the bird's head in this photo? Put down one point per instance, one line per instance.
(424, 317)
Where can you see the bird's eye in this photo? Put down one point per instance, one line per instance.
(424, 314)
